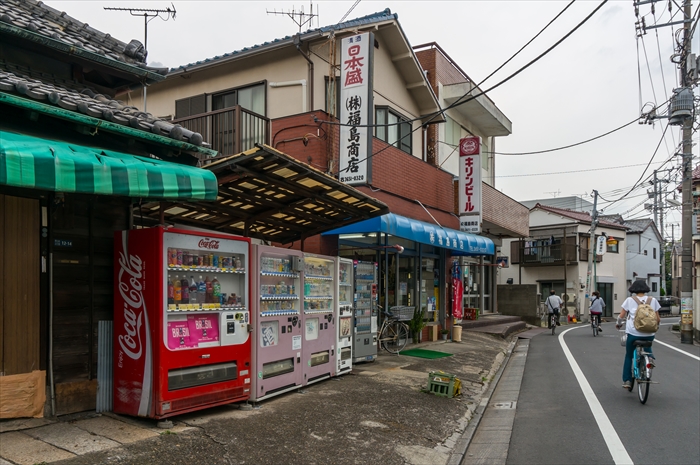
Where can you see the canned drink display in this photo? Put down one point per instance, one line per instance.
(215, 261)
(179, 257)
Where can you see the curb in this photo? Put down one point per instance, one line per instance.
(462, 444)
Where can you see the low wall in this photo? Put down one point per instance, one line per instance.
(519, 300)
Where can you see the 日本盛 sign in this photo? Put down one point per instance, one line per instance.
(356, 109)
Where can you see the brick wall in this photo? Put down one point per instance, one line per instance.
(402, 174)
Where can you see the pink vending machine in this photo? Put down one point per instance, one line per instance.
(319, 319)
(277, 322)
(181, 321)
(346, 292)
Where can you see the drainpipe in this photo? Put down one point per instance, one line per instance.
(300, 82)
(51, 378)
(297, 44)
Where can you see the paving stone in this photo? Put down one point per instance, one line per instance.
(71, 438)
(114, 429)
(25, 450)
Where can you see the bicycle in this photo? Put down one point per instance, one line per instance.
(393, 334)
(641, 369)
(553, 317)
(595, 323)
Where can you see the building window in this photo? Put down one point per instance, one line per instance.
(333, 96)
(612, 247)
(653, 287)
(251, 98)
(393, 129)
(654, 251)
(645, 252)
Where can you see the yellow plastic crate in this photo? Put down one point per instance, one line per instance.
(444, 384)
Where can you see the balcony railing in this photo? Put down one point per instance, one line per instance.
(544, 255)
(229, 131)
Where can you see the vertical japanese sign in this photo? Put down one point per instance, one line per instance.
(470, 185)
(356, 106)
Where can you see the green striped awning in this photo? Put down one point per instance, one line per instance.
(36, 163)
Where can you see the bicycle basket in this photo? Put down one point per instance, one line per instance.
(623, 337)
(402, 312)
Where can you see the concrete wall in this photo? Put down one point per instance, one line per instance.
(519, 300)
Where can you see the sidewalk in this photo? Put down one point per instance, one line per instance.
(375, 414)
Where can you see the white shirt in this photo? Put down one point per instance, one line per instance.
(630, 307)
(552, 303)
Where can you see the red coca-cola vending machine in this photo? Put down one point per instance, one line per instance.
(181, 321)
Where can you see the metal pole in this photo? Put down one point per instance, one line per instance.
(591, 256)
(145, 47)
(663, 245)
(656, 196)
(687, 259)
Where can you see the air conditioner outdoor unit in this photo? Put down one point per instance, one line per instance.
(571, 298)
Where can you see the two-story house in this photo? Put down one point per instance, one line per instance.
(556, 256)
(285, 93)
(644, 252)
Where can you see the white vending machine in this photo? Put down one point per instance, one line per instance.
(364, 346)
(346, 297)
(319, 317)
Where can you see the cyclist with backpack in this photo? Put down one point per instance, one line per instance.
(642, 315)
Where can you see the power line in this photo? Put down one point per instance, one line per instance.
(569, 172)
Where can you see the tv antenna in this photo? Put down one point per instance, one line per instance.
(554, 193)
(148, 16)
(299, 17)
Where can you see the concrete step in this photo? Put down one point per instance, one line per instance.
(502, 329)
(489, 320)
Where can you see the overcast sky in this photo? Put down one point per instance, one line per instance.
(590, 84)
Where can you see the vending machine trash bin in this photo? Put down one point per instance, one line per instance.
(456, 333)
(444, 384)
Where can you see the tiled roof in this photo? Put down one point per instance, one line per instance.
(696, 172)
(38, 18)
(584, 217)
(87, 102)
(385, 15)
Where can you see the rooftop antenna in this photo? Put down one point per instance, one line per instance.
(299, 17)
(554, 194)
(148, 16)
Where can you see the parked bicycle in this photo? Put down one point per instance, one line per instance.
(393, 334)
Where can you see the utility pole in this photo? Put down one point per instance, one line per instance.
(681, 113)
(687, 186)
(590, 285)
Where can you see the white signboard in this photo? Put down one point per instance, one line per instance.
(601, 246)
(356, 109)
(470, 185)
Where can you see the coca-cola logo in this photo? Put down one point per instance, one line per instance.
(208, 244)
(130, 279)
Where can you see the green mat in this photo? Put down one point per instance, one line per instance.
(424, 353)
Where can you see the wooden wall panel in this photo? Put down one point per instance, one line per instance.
(21, 263)
(2, 283)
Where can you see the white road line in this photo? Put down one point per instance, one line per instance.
(612, 440)
(656, 341)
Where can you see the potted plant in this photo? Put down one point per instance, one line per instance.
(444, 333)
(416, 325)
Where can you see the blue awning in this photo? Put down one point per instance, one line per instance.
(458, 242)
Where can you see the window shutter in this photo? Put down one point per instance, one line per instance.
(190, 106)
(515, 252)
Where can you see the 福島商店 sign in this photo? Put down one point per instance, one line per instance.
(470, 185)
(356, 68)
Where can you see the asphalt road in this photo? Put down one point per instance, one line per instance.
(555, 423)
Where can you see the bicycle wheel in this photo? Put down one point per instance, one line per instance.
(395, 337)
(644, 379)
(595, 329)
(553, 321)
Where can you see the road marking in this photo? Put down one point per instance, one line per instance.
(656, 341)
(612, 440)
